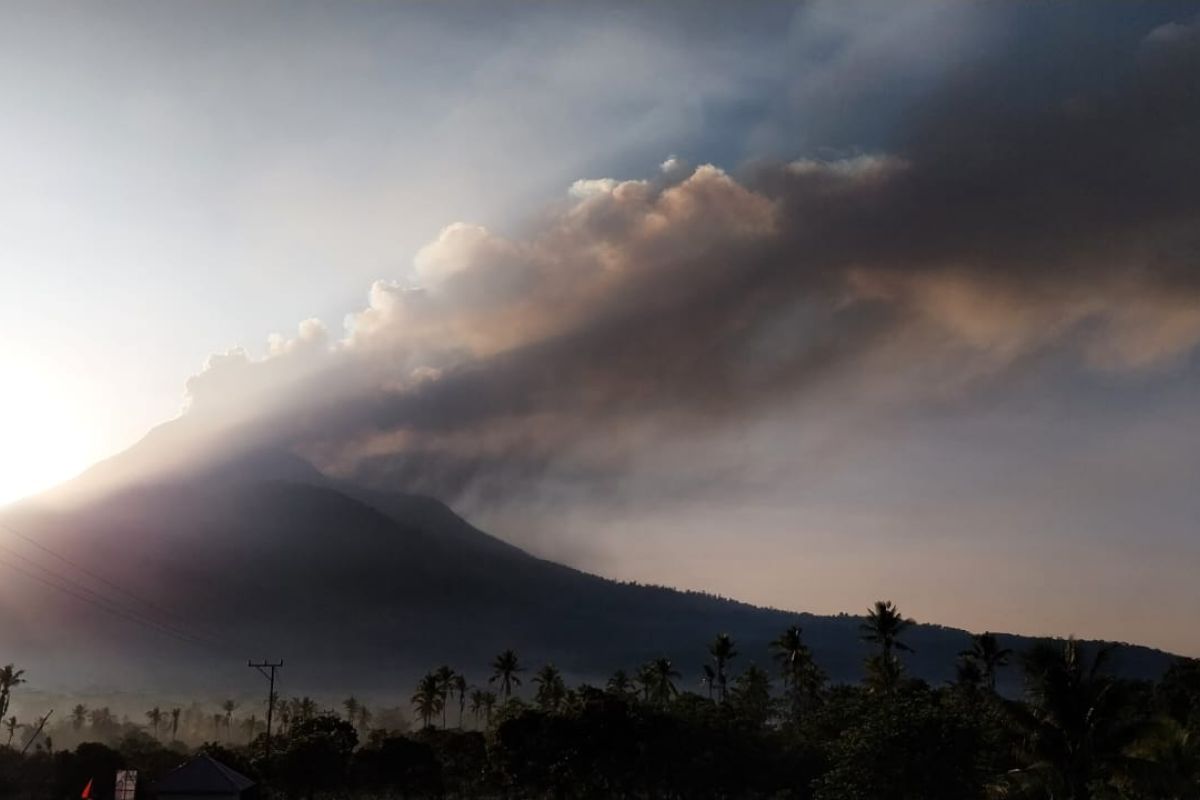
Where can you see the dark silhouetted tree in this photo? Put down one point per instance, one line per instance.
(506, 671)
(619, 683)
(883, 625)
(751, 696)
(1077, 724)
(10, 678)
(551, 689)
(428, 700)
(988, 656)
(79, 716)
(968, 675)
(722, 652)
(460, 690)
(482, 703)
(103, 722)
(445, 679)
(1170, 761)
(351, 705)
(660, 676)
(913, 747)
(802, 678)
(155, 716)
(316, 756)
(229, 706)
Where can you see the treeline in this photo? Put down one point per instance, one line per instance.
(775, 729)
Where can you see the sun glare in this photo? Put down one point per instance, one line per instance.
(42, 440)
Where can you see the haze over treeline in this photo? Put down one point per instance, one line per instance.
(1077, 731)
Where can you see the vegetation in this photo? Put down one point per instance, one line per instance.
(10, 677)
(883, 626)
(1077, 732)
(504, 671)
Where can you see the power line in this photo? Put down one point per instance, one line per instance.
(98, 598)
(174, 623)
(104, 605)
(115, 586)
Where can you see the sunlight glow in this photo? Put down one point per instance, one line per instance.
(42, 439)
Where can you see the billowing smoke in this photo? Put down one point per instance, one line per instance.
(1006, 224)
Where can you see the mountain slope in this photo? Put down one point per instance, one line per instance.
(357, 590)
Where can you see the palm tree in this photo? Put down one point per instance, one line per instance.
(988, 655)
(175, 723)
(482, 703)
(550, 688)
(364, 718)
(477, 703)
(155, 715)
(883, 625)
(460, 688)
(659, 676)
(10, 678)
(445, 679)
(722, 652)
(228, 707)
(620, 683)
(308, 708)
(78, 716)
(802, 677)
(428, 698)
(297, 709)
(217, 719)
(645, 680)
(351, 705)
(10, 725)
(505, 669)
(1077, 732)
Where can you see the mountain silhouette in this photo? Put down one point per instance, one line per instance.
(171, 583)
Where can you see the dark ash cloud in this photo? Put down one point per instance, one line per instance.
(1008, 221)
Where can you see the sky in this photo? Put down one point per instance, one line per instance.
(802, 304)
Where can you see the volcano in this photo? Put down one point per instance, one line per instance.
(171, 583)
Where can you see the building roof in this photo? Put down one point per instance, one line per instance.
(203, 775)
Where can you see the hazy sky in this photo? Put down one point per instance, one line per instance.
(807, 304)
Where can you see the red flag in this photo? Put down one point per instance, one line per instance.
(87, 790)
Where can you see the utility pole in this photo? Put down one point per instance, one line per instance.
(267, 668)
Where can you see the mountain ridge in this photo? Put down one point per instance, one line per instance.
(267, 554)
